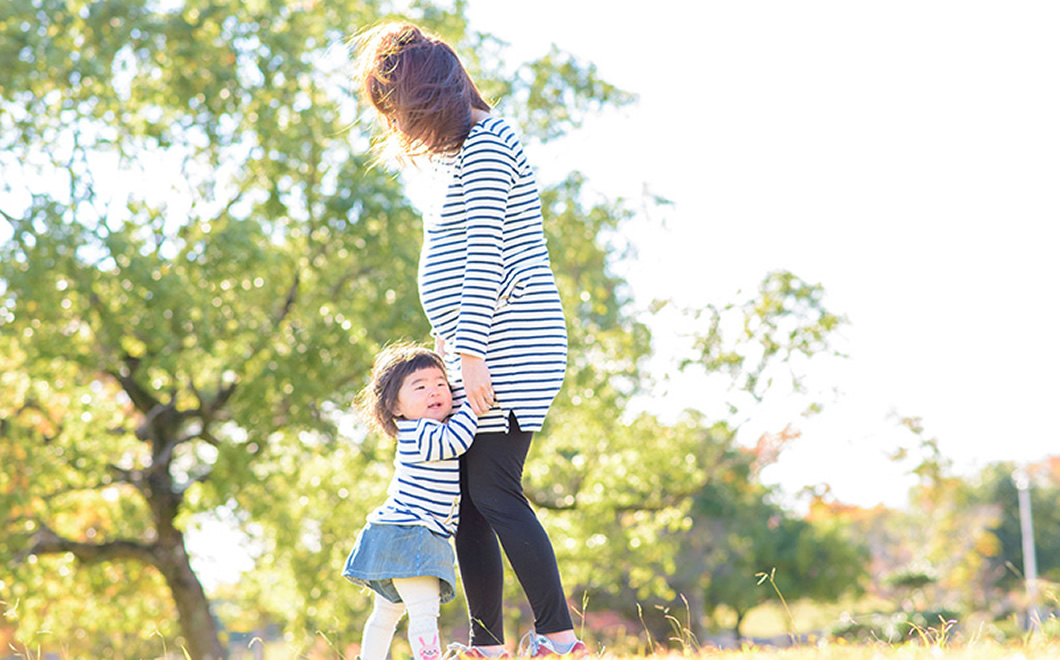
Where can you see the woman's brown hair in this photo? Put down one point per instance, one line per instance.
(393, 364)
(417, 83)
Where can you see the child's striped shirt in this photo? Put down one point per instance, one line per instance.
(425, 489)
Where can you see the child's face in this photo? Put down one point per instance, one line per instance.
(425, 393)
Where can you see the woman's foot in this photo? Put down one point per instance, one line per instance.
(540, 646)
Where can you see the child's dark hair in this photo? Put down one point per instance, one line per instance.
(417, 83)
(393, 364)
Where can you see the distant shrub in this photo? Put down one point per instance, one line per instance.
(893, 627)
(910, 579)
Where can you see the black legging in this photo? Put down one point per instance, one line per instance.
(492, 506)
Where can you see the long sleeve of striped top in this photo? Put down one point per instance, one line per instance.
(425, 489)
(488, 170)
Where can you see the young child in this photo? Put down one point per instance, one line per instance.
(403, 552)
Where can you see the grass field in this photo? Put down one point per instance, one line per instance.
(948, 640)
(933, 643)
(829, 651)
(1034, 648)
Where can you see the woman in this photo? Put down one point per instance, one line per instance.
(487, 287)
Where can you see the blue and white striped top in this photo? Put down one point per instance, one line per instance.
(425, 489)
(486, 282)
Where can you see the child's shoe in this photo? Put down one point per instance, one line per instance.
(539, 646)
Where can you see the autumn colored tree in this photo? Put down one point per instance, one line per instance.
(956, 549)
(1006, 561)
(946, 533)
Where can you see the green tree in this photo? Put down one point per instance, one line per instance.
(189, 346)
(766, 341)
(678, 510)
(766, 345)
(810, 560)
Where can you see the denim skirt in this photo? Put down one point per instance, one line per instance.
(385, 552)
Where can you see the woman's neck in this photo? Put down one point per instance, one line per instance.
(478, 115)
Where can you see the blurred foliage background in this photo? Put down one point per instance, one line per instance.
(200, 264)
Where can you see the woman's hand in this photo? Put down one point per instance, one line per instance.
(439, 345)
(477, 384)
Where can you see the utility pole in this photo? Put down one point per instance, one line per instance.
(1030, 561)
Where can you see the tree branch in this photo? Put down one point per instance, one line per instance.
(288, 303)
(161, 459)
(196, 392)
(208, 438)
(47, 542)
(225, 393)
(141, 398)
(131, 477)
(201, 479)
(208, 410)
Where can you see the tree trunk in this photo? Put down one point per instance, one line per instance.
(170, 558)
(162, 427)
(740, 614)
(196, 622)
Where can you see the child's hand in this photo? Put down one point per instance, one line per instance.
(478, 387)
(439, 345)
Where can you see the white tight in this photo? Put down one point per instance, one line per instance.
(421, 596)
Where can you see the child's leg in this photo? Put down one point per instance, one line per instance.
(422, 596)
(379, 628)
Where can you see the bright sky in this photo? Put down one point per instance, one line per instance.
(905, 155)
